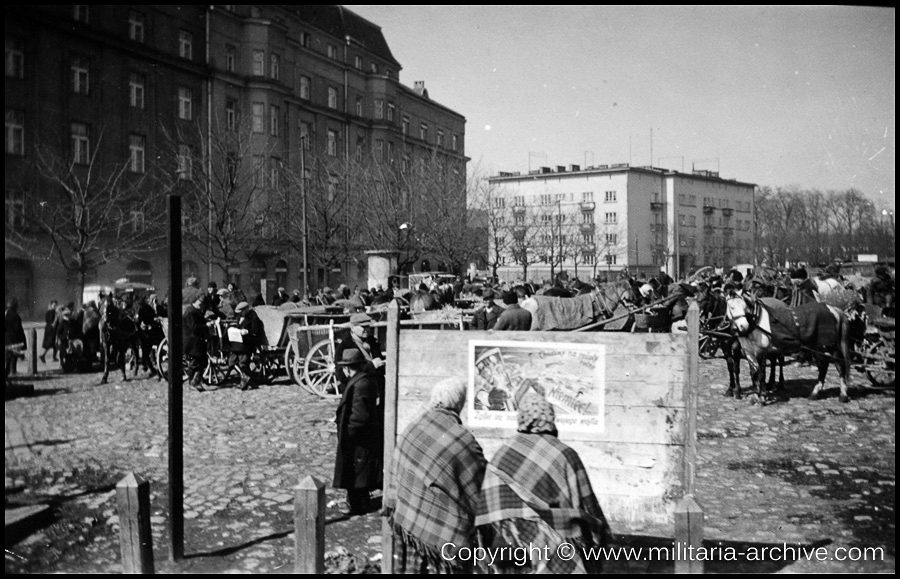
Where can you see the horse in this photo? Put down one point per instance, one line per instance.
(713, 309)
(118, 333)
(434, 298)
(766, 326)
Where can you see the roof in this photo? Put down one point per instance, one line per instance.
(549, 173)
(339, 22)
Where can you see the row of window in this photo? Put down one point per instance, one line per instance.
(15, 214)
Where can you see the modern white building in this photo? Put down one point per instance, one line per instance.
(597, 221)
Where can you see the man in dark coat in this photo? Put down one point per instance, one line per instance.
(486, 318)
(252, 331)
(363, 339)
(513, 318)
(14, 335)
(195, 335)
(358, 465)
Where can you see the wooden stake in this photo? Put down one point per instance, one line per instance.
(309, 526)
(135, 538)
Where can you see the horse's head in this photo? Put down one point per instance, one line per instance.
(739, 311)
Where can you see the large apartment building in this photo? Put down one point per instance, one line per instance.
(600, 220)
(313, 87)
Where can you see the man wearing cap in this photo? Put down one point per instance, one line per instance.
(211, 300)
(362, 339)
(251, 329)
(513, 318)
(486, 318)
(195, 334)
(360, 433)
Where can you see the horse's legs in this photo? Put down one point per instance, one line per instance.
(780, 387)
(733, 360)
(822, 365)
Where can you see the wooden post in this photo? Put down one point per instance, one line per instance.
(309, 526)
(691, 393)
(689, 513)
(32, 347)
(392, 368)
(135, 538)
(688, 535)
(176, 402)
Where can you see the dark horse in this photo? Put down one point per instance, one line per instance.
(423, 299)
(766, 326)
(118, 333)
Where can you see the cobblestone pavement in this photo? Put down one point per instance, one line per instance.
(814, 473)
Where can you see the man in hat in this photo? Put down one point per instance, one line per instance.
(514, 317)
(486, 318)
(360, 433)
(362, 339)
(211, 300)
(195, 335)
(251, 330)
(281, 297)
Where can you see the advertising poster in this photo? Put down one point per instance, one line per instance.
(570, 376)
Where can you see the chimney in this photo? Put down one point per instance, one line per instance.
(574, 168)
(419, 88)
(560, 168)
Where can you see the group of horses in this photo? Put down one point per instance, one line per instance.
(764, 322)
(122, 340)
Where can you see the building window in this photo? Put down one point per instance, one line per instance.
(15, 210)
(692, 220)
(274, 166)
(423, 131)
(609, 197)
(304, 87)
(136, 150)
(374, 68)
(331, 144)
(519, 201)
(611, 259)
(230, 114)
(136, 90)
(80, 75)
(546, 199)
(259, 117)
(379, 109)
(81, 143)
(332, 51)
(390, 112)
(304, 39)
(454, 143)
(229, 57)
(611, 217)
(184, 162)
(405, 125)
(185, 44)
(379, 150)
(588, 258)
(15, 58)
(500, 203)
(185, 100)
(359, 106)
(136, 26)
(440, 138)
(259, 63)
(390, 152)
(587, 217)
(15, 132)
(612, 238)
(587, 237)
(275, 67)
(305, 130)
(360, 147)
(81, 13)
(357, 62)
(587, 197)
(332, 98)
(274, 120)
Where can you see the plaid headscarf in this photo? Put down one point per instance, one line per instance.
(537, 490)
(536, 415)
(437, 471)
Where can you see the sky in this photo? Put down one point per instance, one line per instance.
(774, 96)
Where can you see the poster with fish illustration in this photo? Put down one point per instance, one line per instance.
(570, 376)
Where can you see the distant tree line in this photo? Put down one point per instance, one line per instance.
(796, 225)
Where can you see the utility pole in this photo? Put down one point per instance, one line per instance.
(303, 193)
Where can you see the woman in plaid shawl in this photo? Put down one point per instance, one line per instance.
(536, 492)
(436, 477)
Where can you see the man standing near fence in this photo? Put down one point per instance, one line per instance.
(359, 464)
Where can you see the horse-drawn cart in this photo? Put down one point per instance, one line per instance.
(875, 353)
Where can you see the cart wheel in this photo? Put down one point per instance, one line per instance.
(879, 369)
(318, 371)
(213, 374)
(162, 361)
(298, 372)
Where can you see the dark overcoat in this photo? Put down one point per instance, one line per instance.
(360, 429)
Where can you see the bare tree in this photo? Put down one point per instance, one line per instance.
(86, 211)
(227, 179)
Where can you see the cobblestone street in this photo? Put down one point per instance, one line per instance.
(795, 471)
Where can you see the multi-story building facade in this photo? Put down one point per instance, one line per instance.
(312, 86)
(598, 221)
